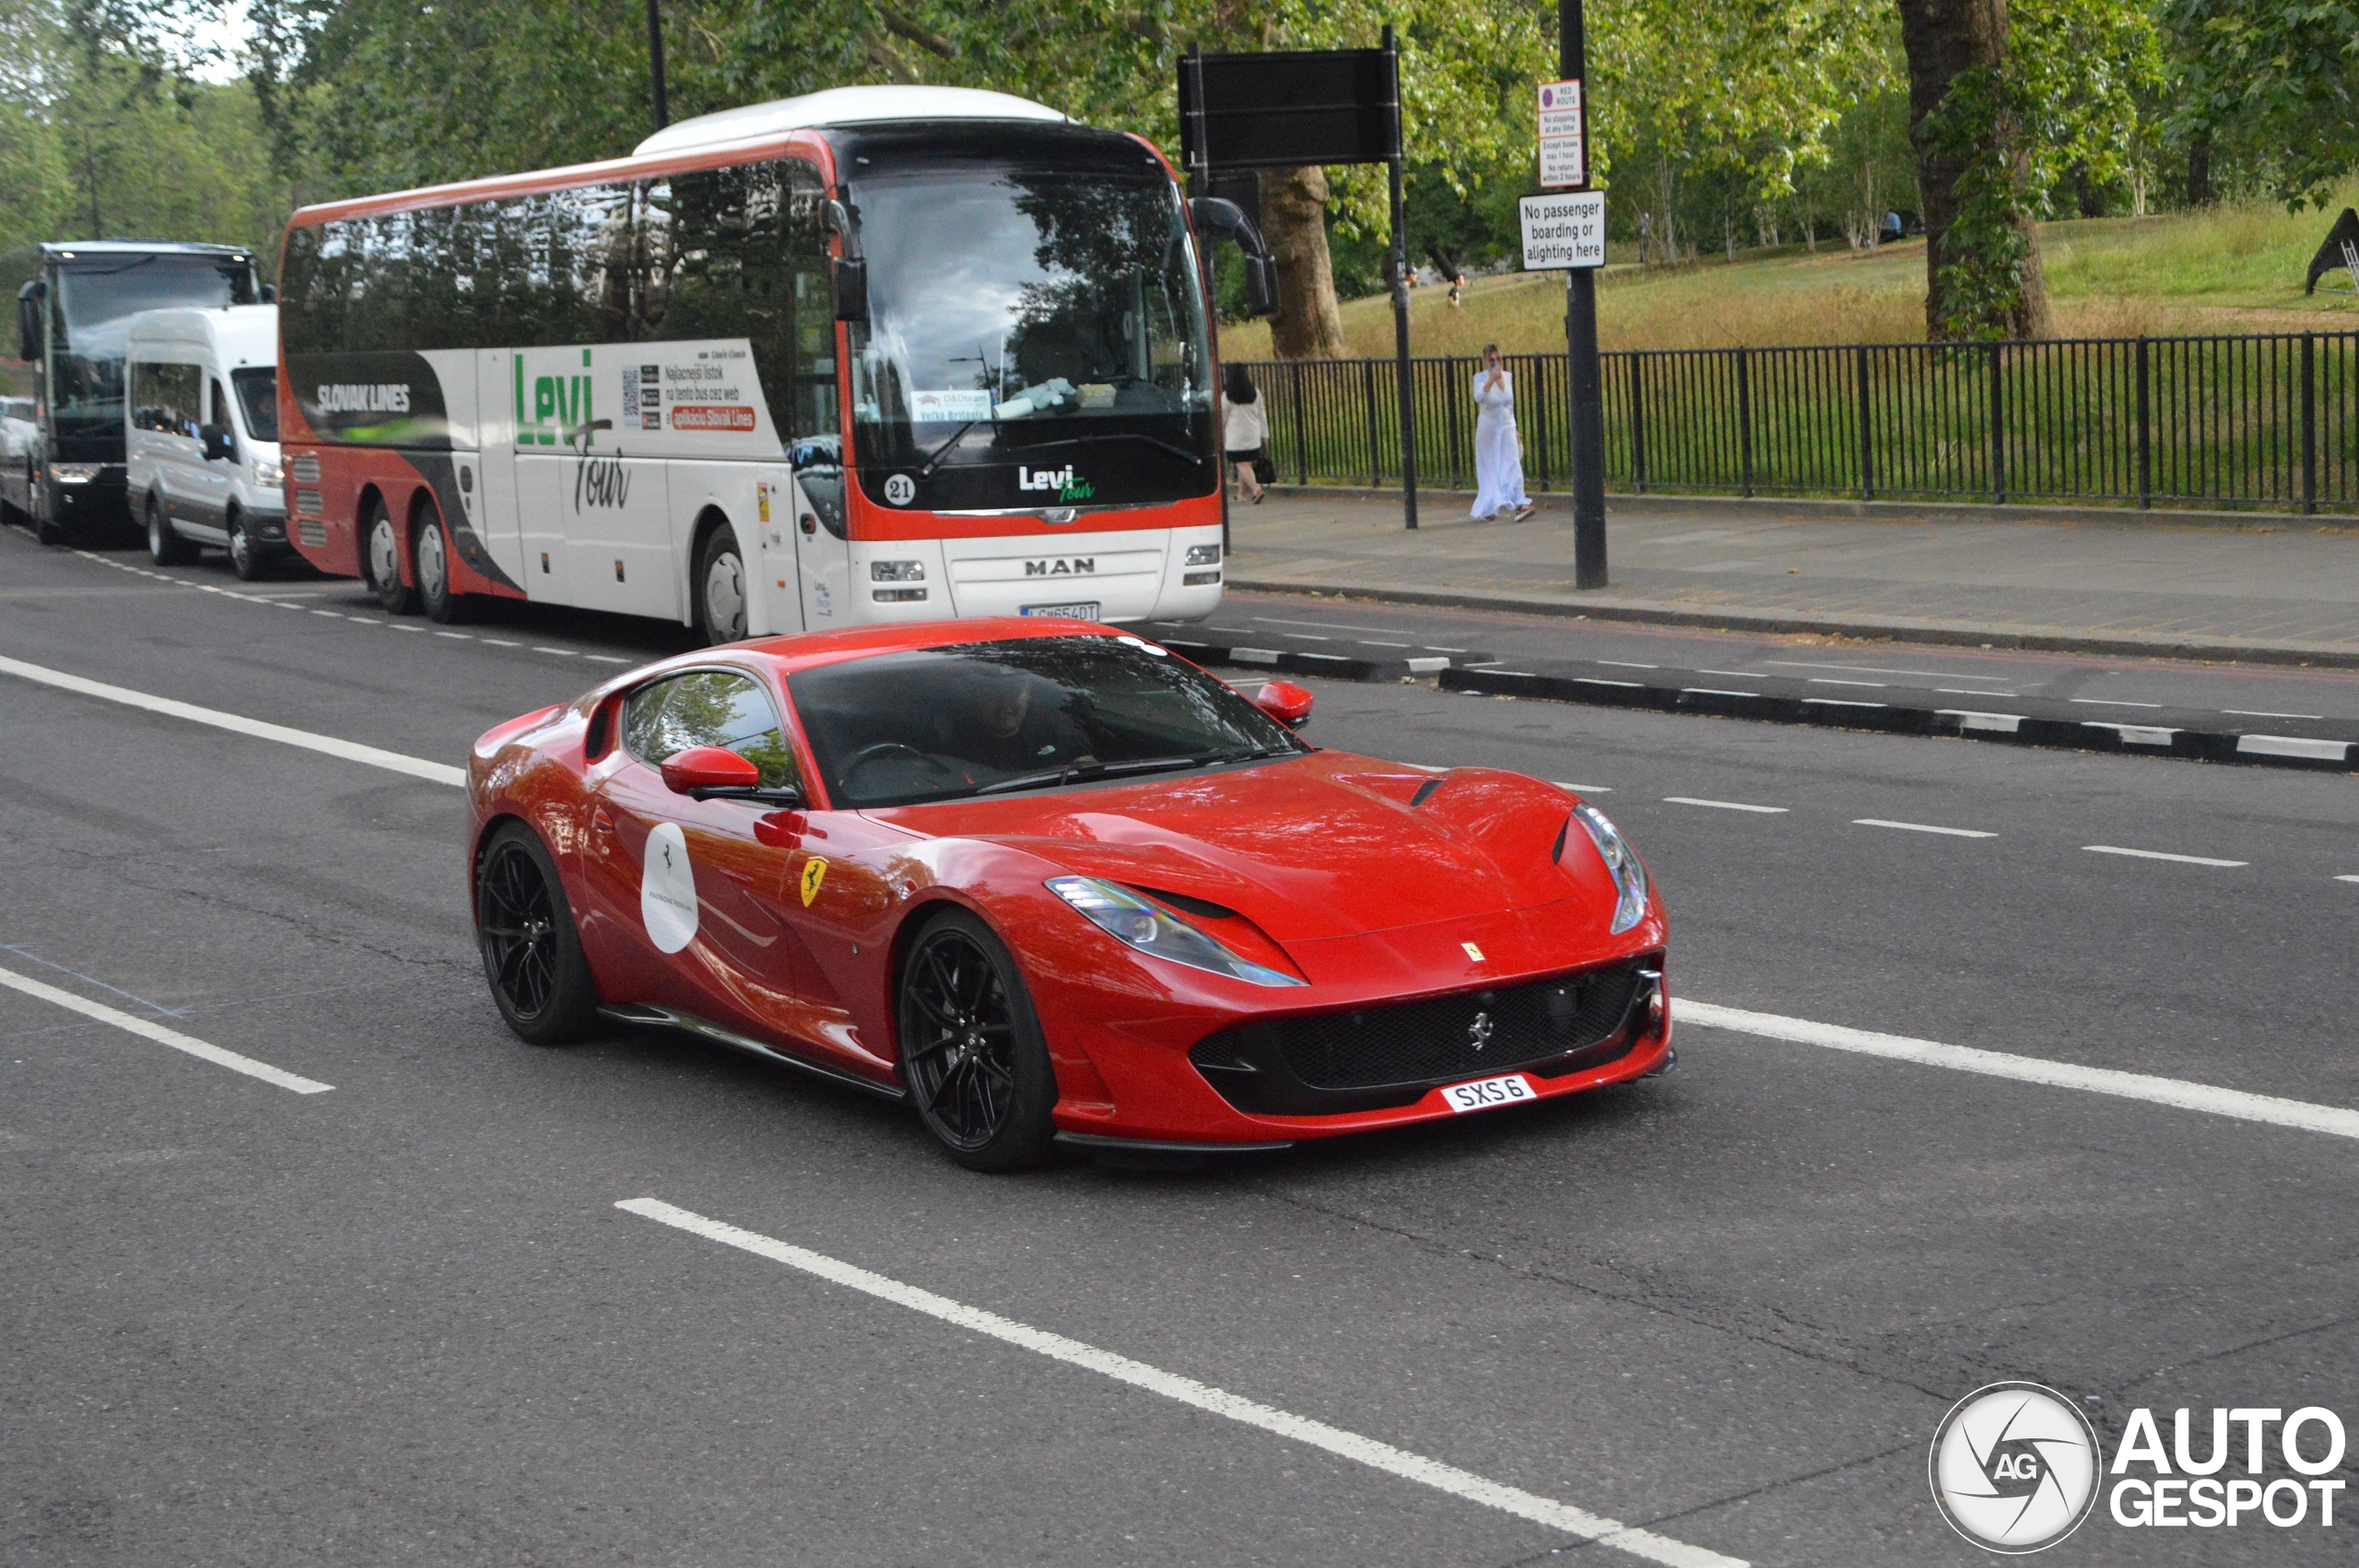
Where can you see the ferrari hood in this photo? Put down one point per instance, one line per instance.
(1309, 849)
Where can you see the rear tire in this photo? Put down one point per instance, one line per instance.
(165, 546)
(45, 524)
(720, 587)
(247, 559)
(532, 954)
(972, 1054)
(380, 562)
(431, 554)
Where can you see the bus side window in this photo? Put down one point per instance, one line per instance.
(817, 408)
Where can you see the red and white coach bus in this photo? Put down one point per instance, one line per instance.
(626, 385)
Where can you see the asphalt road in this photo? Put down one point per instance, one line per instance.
(403, 1320)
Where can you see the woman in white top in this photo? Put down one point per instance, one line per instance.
(1245, 430)
(1498, 450)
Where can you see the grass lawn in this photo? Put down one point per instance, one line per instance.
(2234, 269)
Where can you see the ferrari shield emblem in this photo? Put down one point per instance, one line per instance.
(1472, 950)
(814, 871)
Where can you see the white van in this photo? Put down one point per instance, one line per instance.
(201, 434)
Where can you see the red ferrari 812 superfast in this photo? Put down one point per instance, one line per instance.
(1052, 884)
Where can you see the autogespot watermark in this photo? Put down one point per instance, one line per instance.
(2016, 1468)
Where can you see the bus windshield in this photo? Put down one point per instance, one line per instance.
(95, 299)
(1036, 338)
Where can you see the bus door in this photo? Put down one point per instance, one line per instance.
(495, 518)
(777, 577)
(822, 544)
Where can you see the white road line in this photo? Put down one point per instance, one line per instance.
(1626, 665)
(463, 636)
(2107, 702)
(2175, 1091)
(1920, 827)
(1963, 691)
(2158, 855)
(331, 615)
(1711, 691)
(1740, 674)
(1379, 1455)
(1583, 789)
(1374, 642)
(350, 751)
(502, 642)
(1723, 806)
(1305, 637)
(1831, 681)
(2347, 879)
(608, 658)
(1838, 702)
(2261, 713)
(1602, 681)
(1878, 670)
(560, 652)
(1431, 648)
(163, 1037)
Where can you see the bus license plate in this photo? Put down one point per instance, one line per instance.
(1068, 612)
(1486, 1093)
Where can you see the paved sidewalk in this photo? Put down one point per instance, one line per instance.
(2273, 591)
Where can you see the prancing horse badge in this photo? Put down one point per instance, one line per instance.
(814, 871)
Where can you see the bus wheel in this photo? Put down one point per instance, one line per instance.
(45, 526)
(381, 559)
(432, 555)
(165, 546)
(720, 587)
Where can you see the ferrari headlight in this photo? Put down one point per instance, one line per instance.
(1629, 877)
(1130, 919)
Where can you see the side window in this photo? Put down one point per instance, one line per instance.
(709, 707)
(712, 264)
(217, 409)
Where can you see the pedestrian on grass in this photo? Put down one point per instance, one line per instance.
(1245, 430)
(1498, 448)
(1457, 286)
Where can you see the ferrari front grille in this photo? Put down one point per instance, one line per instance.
(1314, 1064)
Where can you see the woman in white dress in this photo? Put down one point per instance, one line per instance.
(1499, 451)
(1245, 430)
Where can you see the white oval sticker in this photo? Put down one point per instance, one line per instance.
(900, 489)
(667, 889)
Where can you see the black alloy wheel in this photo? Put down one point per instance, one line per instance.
(165, 546)
(247, 559)
(719, 586)
(381, 561)
(971, 1049)
(532, 954)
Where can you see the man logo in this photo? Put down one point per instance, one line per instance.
(2014, 1468)
(1481, 1030)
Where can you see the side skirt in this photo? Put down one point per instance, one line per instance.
(671, 1018)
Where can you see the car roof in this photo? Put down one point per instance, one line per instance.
(797, 651)
(253, 328)
(73, 250)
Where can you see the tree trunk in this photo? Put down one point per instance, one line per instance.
(1944, 40)
(2198, 172)
(1294, 221)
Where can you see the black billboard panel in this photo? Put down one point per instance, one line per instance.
(1278, 111)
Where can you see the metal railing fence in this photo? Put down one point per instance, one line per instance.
(2260, 421)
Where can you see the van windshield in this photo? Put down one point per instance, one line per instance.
(258, 400)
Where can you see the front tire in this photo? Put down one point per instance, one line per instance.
(380, 562)
(432, 555)
(720, 587)
(46, 528)
(972, 1054)
(247, 559)
(165, 546)
(532, 954)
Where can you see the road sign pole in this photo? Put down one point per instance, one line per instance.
(1401, 288)
(1586, 407)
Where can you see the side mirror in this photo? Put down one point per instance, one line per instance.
(220, 443)
(270, 294)
(1285, 702)
(708, 768)
(851, 288)
(29, 332)
(1223, 219)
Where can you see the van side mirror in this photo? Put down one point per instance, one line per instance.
(270, 294)
(29, 332)
(851, 288)
(1285, 702)
(220, 443)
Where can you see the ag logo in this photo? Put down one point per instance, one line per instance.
(900, 489)
(2014, 1468)
(814, 871)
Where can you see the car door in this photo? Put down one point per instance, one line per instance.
(215, 476)
(688, 891)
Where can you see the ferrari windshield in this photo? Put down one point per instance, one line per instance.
(1029, 316)
(989, 718)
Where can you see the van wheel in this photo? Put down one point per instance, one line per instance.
(720, 587)
(380, 562)
(165, 546)
(247, 559)
(431, 554)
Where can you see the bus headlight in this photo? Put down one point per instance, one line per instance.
(896, 571)
(75, 473)
(1203, 554)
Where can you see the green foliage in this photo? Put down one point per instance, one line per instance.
(2278, 79)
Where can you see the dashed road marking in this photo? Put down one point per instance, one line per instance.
(1920, 827)
(2159, 854)
(1724, 805)
(1378, 1455)
(203, 1050)
(1583, 789)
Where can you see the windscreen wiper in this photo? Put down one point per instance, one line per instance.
(944, 448)
(1079, 770)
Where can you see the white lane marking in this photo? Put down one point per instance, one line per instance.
(2159, 854)
(1723, 806)
(2347, 879)
(2108, 702)
(1583, 789)
(1626, 665)
(2294, 745)
(1602, 681)
(2261, 713)
(560, 652)
(1876, 669)
(1838, 702)
(1920, 827)
(463, 636)
(1831, 681)
(1305, 637)
(1323, 625)
(331, 615)
(1961, 691)
(1709, 691)
(1431, 648)
(1374, 642)
(399, 628)
(163, 1037)
(1368, 1451)
(2175, 1091)
(1740, 674)
(608, 658)
(350, 751)
(502, 642)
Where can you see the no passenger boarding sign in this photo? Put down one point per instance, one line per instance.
(1563, 149)
(1567, 230)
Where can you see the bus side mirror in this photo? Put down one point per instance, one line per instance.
(1260, 287)
(851, 288)
(1220, 218)
(29, 332)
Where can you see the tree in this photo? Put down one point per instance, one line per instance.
(2282, 78)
